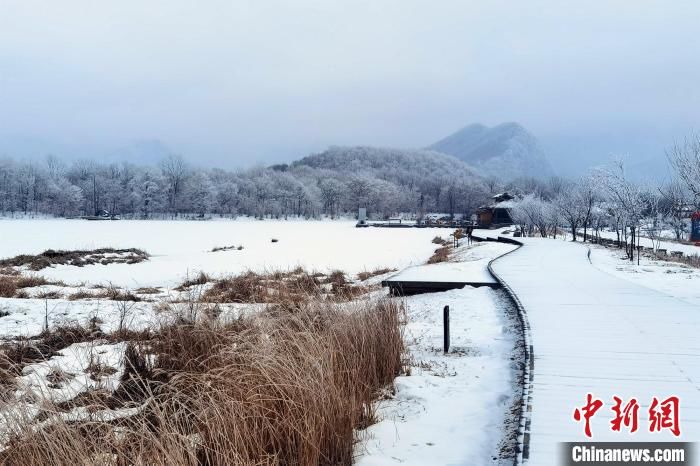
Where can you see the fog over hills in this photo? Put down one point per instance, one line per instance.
(506, 151)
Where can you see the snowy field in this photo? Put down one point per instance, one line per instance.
(183, 248)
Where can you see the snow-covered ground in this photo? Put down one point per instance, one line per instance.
(183, 248)
(594, 332)
(671, 278)
(455, 408)
(69, 373)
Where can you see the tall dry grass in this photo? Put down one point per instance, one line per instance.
(288, 386)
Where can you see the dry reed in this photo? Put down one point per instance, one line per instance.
(287, 386)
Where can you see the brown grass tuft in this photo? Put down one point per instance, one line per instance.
(31, 281)
(201, 279)
(362, 276)
(80, 294)
(251, 287)
(117, 294)
(78, 258)
(148, 290)
(440, 255)
(8, 286)
(441, 241)
(52, 294)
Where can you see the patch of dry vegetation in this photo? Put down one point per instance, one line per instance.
(117, 294)
(16, 354)
(286, 386)
(252, 287)
(12, 284)
(148, 290)
(8, 286)
(440, 255)
(226, 248)
(294, 287)
(77, 258)
(49, 294)
(201, 279)
(80, 294)
(366, 275)
(441, 241)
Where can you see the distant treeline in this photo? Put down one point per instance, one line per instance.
(334, 182)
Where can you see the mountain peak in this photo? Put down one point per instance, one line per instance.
(507, 150)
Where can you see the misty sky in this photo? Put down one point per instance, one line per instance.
(235, 83)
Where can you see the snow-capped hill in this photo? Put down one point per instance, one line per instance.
(387, 162)
(507, 151)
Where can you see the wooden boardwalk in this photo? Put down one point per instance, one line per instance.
(596, 333)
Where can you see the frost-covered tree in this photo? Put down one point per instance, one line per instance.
(175, 171)
(673, 205)
(533, 214)
(571, 208)
(626, 198)
(148, 193)
(684, 158)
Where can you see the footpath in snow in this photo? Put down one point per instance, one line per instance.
(593, 332)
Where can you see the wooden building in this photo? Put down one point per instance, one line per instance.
(496, 214)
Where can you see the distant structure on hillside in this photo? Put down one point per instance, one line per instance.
(496, 214)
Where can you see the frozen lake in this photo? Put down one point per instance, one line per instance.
(182, 248)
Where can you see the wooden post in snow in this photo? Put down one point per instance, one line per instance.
(446, 329)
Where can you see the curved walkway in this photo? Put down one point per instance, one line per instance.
(595, 333)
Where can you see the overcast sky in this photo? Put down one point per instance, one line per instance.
(234, 83)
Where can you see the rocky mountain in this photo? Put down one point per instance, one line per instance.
(506, 151)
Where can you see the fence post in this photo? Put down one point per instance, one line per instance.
(446, 329)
